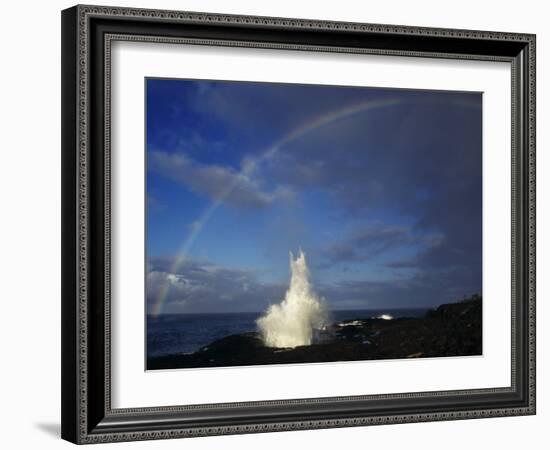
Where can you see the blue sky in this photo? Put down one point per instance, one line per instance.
(380, 187)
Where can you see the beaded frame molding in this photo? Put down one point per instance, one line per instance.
(87, 35)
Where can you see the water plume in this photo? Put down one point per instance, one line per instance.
(291, 323)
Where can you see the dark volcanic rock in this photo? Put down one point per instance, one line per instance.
(450, 330)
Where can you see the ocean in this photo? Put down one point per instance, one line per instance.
(171, 334)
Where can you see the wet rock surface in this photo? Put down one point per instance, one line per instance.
(450, 330)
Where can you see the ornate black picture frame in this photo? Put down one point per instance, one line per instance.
(87, 34)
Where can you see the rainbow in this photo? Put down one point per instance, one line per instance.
(249, 168)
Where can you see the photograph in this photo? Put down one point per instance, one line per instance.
(305, 223)
(278, 222)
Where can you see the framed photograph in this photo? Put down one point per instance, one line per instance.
(280, 224)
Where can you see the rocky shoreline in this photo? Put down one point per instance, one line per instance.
(452, 329)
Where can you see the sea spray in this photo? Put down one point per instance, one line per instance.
(291, 323)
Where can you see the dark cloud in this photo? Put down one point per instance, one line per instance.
(367, 243)
(403, 264)
(423, 289)
(404, 159)
(420, 162)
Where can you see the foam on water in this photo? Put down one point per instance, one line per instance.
(385, 317)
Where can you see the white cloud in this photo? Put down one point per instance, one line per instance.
(206, 287)
(237, 189)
